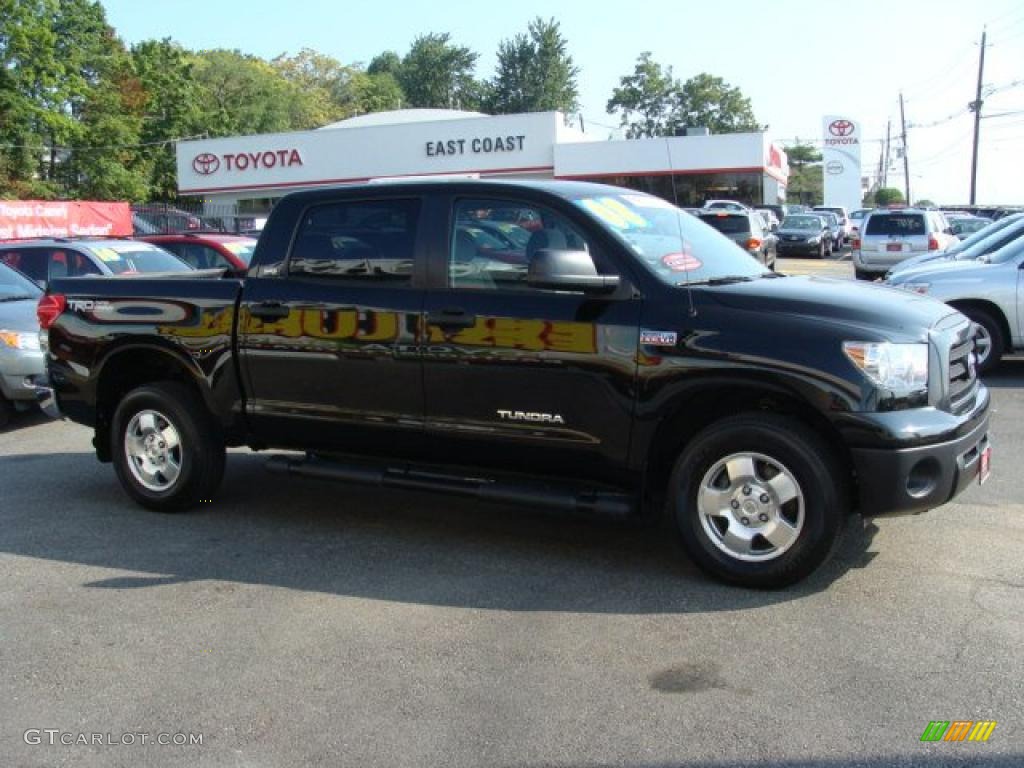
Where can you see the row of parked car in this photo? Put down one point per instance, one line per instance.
(28, 266)
(779, 230)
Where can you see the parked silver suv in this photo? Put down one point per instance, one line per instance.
(890, 235)
(987, 289)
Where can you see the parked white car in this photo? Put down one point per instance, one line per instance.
(989, 290)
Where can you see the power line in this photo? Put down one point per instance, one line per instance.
(59, 147)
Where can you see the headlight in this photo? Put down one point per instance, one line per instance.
(814, 240)
(915, 287)
(18, 340)
(902, 368)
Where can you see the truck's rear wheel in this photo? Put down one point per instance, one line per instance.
(166, 449)
(758, 500)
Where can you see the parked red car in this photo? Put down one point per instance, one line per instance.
(208, 250)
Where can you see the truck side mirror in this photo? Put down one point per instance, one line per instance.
(564, 270)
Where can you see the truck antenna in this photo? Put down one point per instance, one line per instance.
(679, 224)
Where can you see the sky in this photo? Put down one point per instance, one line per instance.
(796, 60)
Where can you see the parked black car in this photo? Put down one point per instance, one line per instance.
(635, 360)
(804, 235)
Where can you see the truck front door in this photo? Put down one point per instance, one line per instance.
(328, 337)
(521, 378)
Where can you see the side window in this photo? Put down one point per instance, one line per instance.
(215, 259)
(493, 241)
(72, 264)
(364, 240)
(32, 262)
(755, 227)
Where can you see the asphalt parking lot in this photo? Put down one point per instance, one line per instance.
(299, 623)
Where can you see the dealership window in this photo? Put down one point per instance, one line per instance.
(361, 241)
(492, 242)
(691, 190)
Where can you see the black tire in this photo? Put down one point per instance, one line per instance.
(821, 251)
(818, 477)
(994, 331)
(6, 410)
(200, 453)
(861, 275)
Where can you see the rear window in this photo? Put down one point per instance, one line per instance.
(896, 224)
(728, 224)
(132, 257)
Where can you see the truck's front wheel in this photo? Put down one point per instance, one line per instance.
(167, 452)
(758, 500)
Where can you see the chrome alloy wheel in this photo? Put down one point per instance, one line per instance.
(751, 507)
(153, 448)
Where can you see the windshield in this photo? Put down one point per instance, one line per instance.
(126, 258)
(675, 246)
(243, 250)
(14, 285)
(801, 222)
(981, 234)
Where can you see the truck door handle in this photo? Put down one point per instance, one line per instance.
(269, 310)
(451, 317)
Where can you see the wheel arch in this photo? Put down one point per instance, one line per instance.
(694, 409)
(993, 309)
(134, 365)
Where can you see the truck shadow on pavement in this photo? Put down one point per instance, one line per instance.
(369, 543)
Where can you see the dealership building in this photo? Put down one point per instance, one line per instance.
(251, 172)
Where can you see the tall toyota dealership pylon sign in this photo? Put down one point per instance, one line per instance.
(841, 161)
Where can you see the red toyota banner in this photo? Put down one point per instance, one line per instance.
(48, 218)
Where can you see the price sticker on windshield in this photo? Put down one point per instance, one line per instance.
(681, 262)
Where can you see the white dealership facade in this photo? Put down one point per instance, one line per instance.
(253, 171)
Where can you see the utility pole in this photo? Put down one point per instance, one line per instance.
(885, 169)
(975, 107)
(906, 157)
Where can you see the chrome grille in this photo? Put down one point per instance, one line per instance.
(963, 374)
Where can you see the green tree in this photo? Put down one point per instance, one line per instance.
(243, 94)
(172, 109)
(29, 75)
(706, 100)
(888, 196)
(437, 73)
(535, 72)
(324, 81)
(645, 99)
(375, 92)
(926, 203)
(806, 184)
(387, 63)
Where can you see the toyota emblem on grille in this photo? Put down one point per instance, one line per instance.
(205, 163)
(840, 128)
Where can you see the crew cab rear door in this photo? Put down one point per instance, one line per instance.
(522, 378)
(328, 336)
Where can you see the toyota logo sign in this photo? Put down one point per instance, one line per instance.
(840, 128)
(834, 168)
(205, 163)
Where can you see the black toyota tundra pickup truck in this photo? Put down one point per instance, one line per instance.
(554, 344)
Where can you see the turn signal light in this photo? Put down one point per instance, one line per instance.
(753, 244)
(49, 309)
(855, 244)
(933, 244)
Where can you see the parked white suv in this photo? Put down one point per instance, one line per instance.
(890, 235)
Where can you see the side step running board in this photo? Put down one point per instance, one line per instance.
(561, 497)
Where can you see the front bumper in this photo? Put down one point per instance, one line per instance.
(801, 248)
(914, 479)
